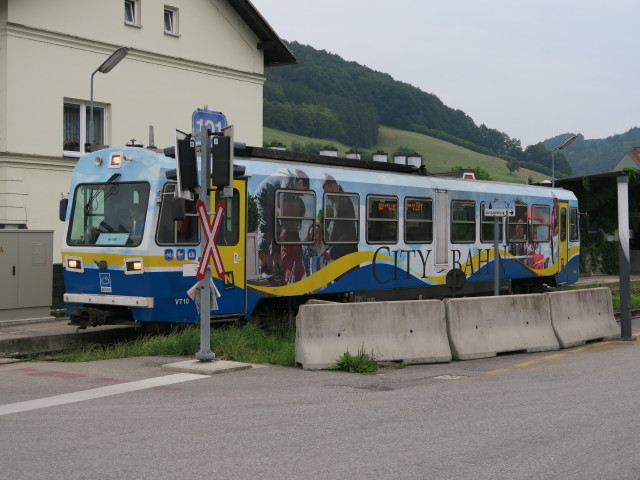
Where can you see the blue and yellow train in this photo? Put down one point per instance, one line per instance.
(298, 226)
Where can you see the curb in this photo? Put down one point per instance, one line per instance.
(29, 343)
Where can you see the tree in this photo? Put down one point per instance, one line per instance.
(513, 165)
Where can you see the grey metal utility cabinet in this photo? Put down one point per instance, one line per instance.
(26, 274)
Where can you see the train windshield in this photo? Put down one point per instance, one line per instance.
(108, 214)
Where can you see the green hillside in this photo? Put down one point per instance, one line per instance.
(438, 155)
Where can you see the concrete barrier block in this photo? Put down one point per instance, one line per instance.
(410, 331)
(482, 327)
(579, 316)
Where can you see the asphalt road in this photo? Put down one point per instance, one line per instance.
(570, 414)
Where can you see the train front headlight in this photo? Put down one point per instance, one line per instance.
(74, 264)
(116, 159)
(133, 266)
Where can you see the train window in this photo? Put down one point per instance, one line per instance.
(517, 228)
(341, 218)
(486, 227)
(295, 215)
(229, 232)
(563, 224)
(540, 215)
(574, 234)
(418, 220)
(179, 232)
(382, 219)
(463, 221)
(109, 214)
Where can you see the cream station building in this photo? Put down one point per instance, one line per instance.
(183, 55)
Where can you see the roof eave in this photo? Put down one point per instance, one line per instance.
(276, 52)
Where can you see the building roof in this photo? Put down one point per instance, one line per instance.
(635, 153)
(275, 50)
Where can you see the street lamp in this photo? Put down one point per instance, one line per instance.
(106, 67)
(553, 160)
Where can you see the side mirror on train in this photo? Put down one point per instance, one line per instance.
(62, 209)
(178, 211)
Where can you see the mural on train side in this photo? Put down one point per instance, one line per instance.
(316, 233)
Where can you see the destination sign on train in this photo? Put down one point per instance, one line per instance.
(499, 209)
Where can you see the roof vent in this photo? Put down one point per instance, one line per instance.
(380, 156)
(353, 153)
(329, 151)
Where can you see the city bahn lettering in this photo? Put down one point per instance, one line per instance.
(402, 260)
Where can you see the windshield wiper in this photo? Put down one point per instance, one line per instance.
(112, 178)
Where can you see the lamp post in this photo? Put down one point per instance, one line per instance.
(106, 67)
(553, 159)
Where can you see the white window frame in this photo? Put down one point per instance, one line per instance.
(84, 111)
(134, 7)
(172, 12)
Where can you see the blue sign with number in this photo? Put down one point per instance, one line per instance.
(214, 121)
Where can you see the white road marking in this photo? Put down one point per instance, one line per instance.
(98, 393)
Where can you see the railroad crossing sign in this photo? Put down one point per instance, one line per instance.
(499, 209)
(210, 230)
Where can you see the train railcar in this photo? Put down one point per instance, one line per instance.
(299, 226)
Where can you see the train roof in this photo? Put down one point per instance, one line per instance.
(156, 167)
(370, 171)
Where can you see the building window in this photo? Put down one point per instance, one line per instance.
(170, 21)
(76, 127)
(132, 12)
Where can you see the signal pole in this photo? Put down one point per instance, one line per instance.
(205, 354)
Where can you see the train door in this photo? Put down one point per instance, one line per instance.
(441, 237)
(563, 244)
(231, 242)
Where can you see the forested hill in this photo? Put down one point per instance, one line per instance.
(324, 96)
(596, 155)
(348, 101)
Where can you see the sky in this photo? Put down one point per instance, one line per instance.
(532, 69)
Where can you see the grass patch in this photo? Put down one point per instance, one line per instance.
(615, 293)
(635, 300)
(237, 343)
(361, 363)
(441, 155)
